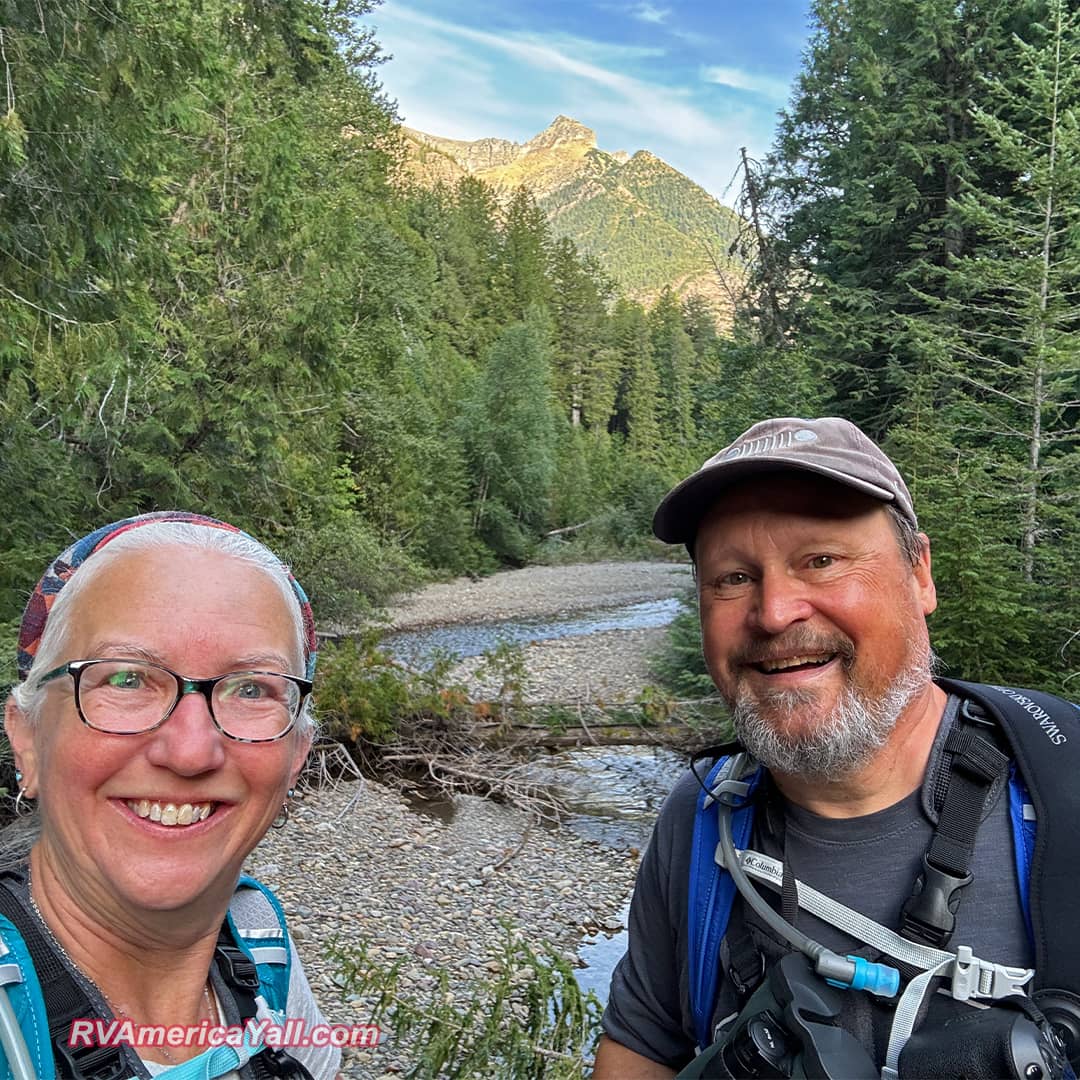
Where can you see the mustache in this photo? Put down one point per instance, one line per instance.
(796, 642)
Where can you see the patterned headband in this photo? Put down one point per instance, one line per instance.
(64, 565)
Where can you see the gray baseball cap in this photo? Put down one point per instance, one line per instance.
(831, 447)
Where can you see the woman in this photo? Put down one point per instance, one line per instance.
(161, 719)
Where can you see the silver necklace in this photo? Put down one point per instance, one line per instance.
(116, 1010)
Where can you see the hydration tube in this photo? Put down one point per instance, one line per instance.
(13, 1043)
(845, 972)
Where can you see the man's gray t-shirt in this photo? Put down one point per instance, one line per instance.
(869, 863)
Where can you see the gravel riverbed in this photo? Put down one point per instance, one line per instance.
(360, 866)
(612, 665)
(539, 592)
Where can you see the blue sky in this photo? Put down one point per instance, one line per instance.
(689, 80)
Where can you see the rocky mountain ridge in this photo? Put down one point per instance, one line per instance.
(648, 224)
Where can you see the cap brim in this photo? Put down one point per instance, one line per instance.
(680, 512)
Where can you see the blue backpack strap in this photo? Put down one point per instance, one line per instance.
(1022, 819)
(257, 922)
(20, 982)
(710, 897)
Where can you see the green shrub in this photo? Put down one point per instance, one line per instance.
(680, 665)
(347, 570)
(533, 1022)
(365, 695)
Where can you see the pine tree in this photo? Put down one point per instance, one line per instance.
(675, 361)
(637, 402)
(509, 434)
(584, 366)
(1007, 312)
(526, 239)
(870, 157)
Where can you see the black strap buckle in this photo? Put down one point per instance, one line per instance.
(747, 975)
(236, 969)
(88, 1062)
(975, 714)
(278, 1063)
(929, 914)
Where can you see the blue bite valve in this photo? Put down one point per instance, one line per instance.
(858, 973)
(879, 979)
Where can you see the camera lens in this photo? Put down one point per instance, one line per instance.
(760, 1049)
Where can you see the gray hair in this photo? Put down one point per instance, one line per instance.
(28, 696)
(911, 543)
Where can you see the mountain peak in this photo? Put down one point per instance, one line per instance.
(562, 131)
(646, 223)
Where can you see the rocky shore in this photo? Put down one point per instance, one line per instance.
(610, 666)
(539, 592)
(435, 892)
(358, 867)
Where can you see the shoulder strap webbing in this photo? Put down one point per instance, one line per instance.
(710, 895)
(929, 914)
(65, 1001)
(1044, 735)
(241, 976)
(257, 922)
(253, 959)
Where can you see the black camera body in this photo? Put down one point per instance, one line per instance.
(1011, 1039)
(788, 1030)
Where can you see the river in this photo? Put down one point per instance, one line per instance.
(612, 793)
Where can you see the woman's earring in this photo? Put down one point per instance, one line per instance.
(283, 814)
(22, 805)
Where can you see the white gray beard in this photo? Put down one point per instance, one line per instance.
(843, 742)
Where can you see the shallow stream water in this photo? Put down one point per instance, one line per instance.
(472, 639)
(613, 793)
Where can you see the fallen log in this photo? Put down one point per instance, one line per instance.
(568, 529)
(580, 738)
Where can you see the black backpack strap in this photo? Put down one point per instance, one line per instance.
(929, 914)
(241, 976)
(1043, 732)
(745, 961)
(65, 1001)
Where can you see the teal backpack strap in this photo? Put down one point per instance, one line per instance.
(257, 923)
(19, 985)
(711, 894)
(216, 1062)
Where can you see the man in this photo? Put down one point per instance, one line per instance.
(814, 583)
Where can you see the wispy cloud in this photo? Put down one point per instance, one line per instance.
(637, 92)
(640, 105)
(646, 12)
(463, 76)
(737, 79)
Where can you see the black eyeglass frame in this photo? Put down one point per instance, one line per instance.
(184, 685)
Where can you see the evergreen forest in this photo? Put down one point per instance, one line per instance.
(217, 292)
